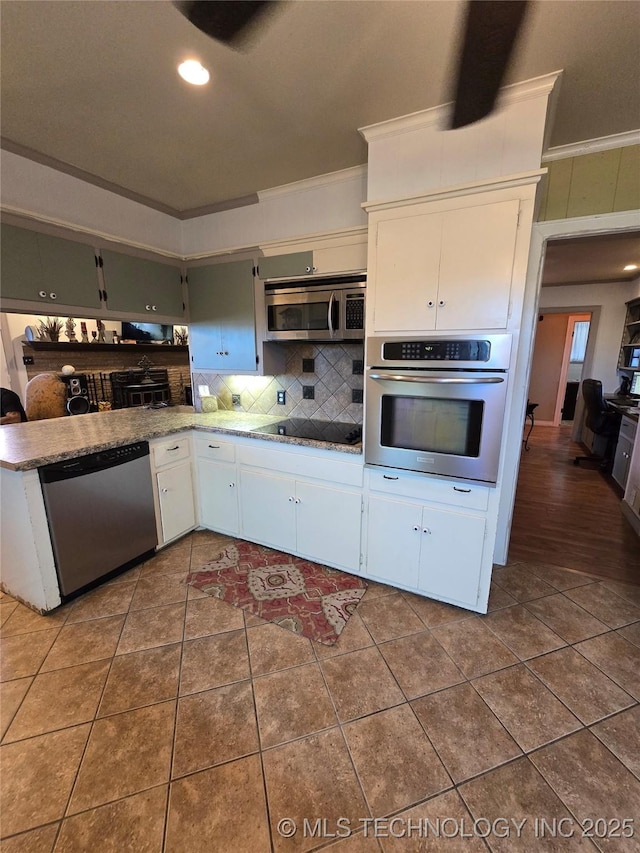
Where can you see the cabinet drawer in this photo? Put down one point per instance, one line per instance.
(425, 488)
(628, 428)
(212, 448)
(170, 450)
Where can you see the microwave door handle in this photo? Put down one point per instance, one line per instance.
(332, 299)
(439, 380)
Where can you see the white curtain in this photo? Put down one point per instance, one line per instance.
(579, 342)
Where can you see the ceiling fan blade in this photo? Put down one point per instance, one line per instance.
(223, 20)
(491, 30)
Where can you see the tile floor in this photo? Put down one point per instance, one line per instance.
(147, 716)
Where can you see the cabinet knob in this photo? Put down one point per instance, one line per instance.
(42, 294)
(232, 485)
(147, 307)
(426, 530)
(53, 296)
(416, 528)
(430, 303)
(153, 307)
(308, 269)
(297, 500)
(226, 352)
(164, 491)
(291, 500)
(314, 269)
(441, 302)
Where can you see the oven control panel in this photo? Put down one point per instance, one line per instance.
(437, 350)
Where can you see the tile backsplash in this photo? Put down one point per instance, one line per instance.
(336, 374)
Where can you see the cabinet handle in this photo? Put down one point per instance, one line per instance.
(164, 491)
(42, 294)
(430, 303)
(177, 447)
(297, 500)
(466, 491)
(308, 269)
(225, 353)
(232, 485)
(147, 307)
(426, 530)
(104, 295)
(291, 500)
(386, 477)
(314, 269)
(416, 528)
(441, 302)
(214, 446)
(53, 296)
(153, 307)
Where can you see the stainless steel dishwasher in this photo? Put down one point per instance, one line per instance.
(101, 514)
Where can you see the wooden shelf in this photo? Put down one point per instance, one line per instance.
(65, 346)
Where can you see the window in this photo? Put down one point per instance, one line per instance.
(579, 342)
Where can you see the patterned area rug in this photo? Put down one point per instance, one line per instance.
(305, 597)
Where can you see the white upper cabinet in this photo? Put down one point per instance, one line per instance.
(442, 270)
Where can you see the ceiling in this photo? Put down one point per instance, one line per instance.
(94, 85)
(593, 259)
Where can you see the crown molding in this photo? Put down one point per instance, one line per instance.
(341, 176)
(592, 146)
(520, 180)
(437, 116)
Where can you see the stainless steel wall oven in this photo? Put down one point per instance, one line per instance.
(437, 405)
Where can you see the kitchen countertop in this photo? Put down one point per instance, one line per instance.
(632, 412)
(30, 445)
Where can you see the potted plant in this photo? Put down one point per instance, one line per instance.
(50, 328)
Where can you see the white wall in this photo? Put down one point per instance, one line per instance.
(56, 197)
(611, 298)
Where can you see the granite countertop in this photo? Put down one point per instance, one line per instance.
(30, 445)
(632, 412)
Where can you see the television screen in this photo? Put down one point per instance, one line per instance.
(146, 333)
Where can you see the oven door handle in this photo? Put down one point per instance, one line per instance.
(332, 299)
(439, 380)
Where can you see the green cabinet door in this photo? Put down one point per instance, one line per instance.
(70, 271)
(51, 270)
(222, 317)
(284, 266)
(142, 287)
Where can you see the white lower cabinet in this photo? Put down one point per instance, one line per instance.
(173, 487)
(435, 546)
(218, 496)
(317, 521)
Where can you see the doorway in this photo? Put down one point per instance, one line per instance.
(557, 364)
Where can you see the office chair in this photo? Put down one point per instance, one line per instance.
(601, 420)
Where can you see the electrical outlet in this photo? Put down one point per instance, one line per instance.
(27, 359)
(281, 397)
(308, 392)
(235, 400)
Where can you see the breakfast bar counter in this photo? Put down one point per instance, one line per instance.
(24, 447)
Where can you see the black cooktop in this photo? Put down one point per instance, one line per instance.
(333, 431)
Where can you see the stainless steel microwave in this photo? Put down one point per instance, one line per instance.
(318, 309)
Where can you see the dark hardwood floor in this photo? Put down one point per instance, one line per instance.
(569, 515)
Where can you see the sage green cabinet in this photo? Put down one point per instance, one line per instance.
(142, 287)
(283, 266)
(48, 270)
(222, 318)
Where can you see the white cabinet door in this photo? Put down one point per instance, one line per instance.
(268, 509)
(476, 266)
(622, 460)
(218, 496)
(406, 273)
(328, 525)
(451, 555)
(393, 541)
(175, 496)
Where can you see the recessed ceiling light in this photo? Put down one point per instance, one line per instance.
(193, 72)
(630, 267)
